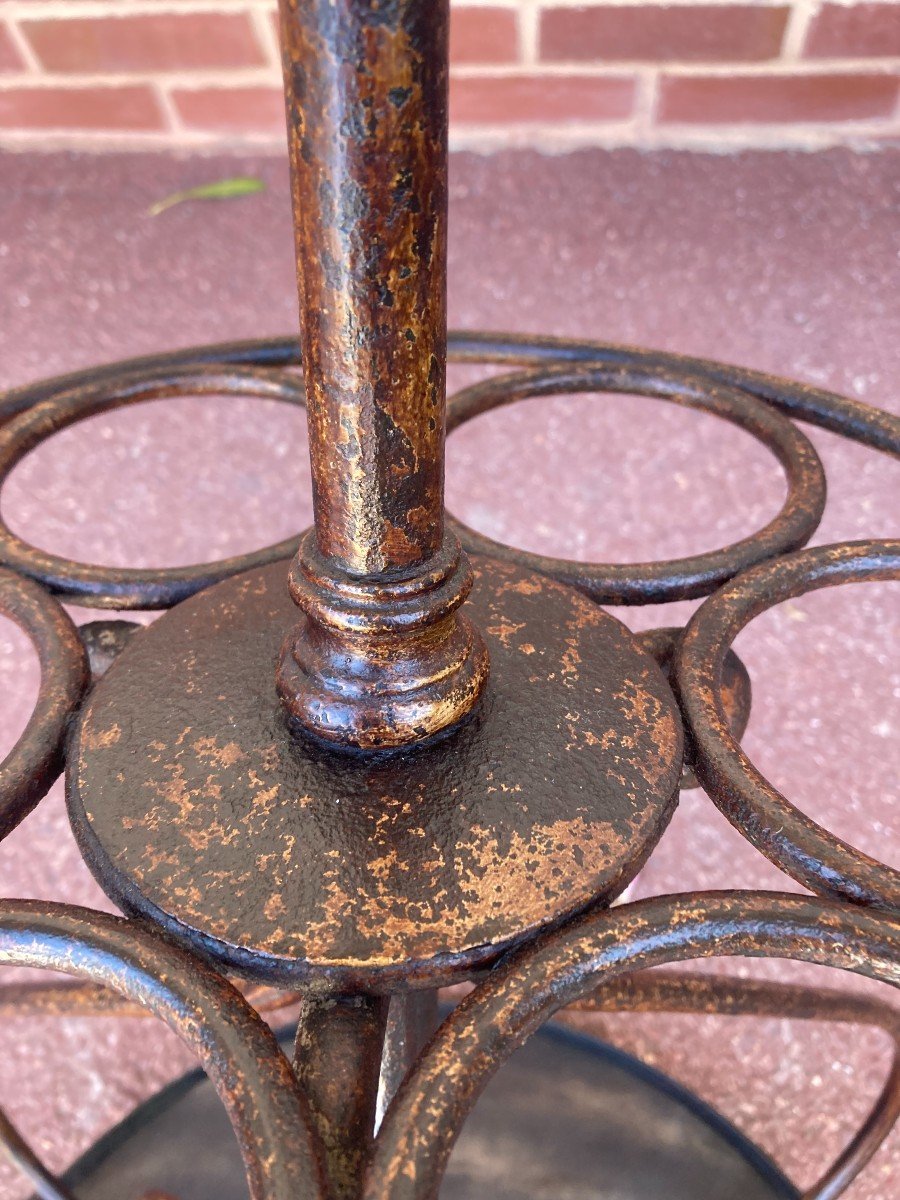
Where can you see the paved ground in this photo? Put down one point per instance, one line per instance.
(784, 262)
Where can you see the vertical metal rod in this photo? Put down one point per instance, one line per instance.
(337, 1058)
(412, 1019)
(384, 657)
(367, 89)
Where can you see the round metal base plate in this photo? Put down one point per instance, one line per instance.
(195, 804)
(566, 1117)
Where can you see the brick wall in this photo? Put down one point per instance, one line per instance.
(552, 73)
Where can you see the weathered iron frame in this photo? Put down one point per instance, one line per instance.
(382, 582)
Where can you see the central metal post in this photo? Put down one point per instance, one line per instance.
(384, 657)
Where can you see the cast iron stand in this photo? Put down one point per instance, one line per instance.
(465, 761)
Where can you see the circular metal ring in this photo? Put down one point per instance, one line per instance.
(794, 842)
(37, 757)
(873, 427)
(849, 418)
(861, 423)
(123, 587)
(674, 579)
(801, 401)
(440, 1091)
(255, 1082)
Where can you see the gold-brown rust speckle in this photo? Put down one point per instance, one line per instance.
(515, 877)
(570, 660)
(521, 587)
(275, 907)
(505, 630)
(208, 749)
(98, 739)
(310, 860)
(264, 801)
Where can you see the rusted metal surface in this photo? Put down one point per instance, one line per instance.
(788, 837)
(670, 991)
(384, 657)
(678, 579)
(381, 663)
(37, 757)
(479, 1035)
(366, 89)
(425, 847)
(735, 691)
(263, 370)
(273, 353)
(64, 1000)
(269, 1112)
(337, 1058)
(295, 862)
(742, 932)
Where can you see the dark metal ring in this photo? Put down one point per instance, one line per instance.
(849, 418)
(801, 401)
(426, 1116)
(37, 757)
(794, 842)
(121, 587)
(238, 1051)
(674, 579)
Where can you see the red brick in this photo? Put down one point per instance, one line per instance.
(515, 99)
(477, 35)
(94, 108)
(231, 110)
(10, 58)
(861, 31)
(745, 99)
(149, 42)
(483, 35)
(695, 33)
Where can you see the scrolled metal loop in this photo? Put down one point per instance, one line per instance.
(37, 757)
(425, 1118)
(674, 579)
(794, 842)
(254, 1080)
(123, 587)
